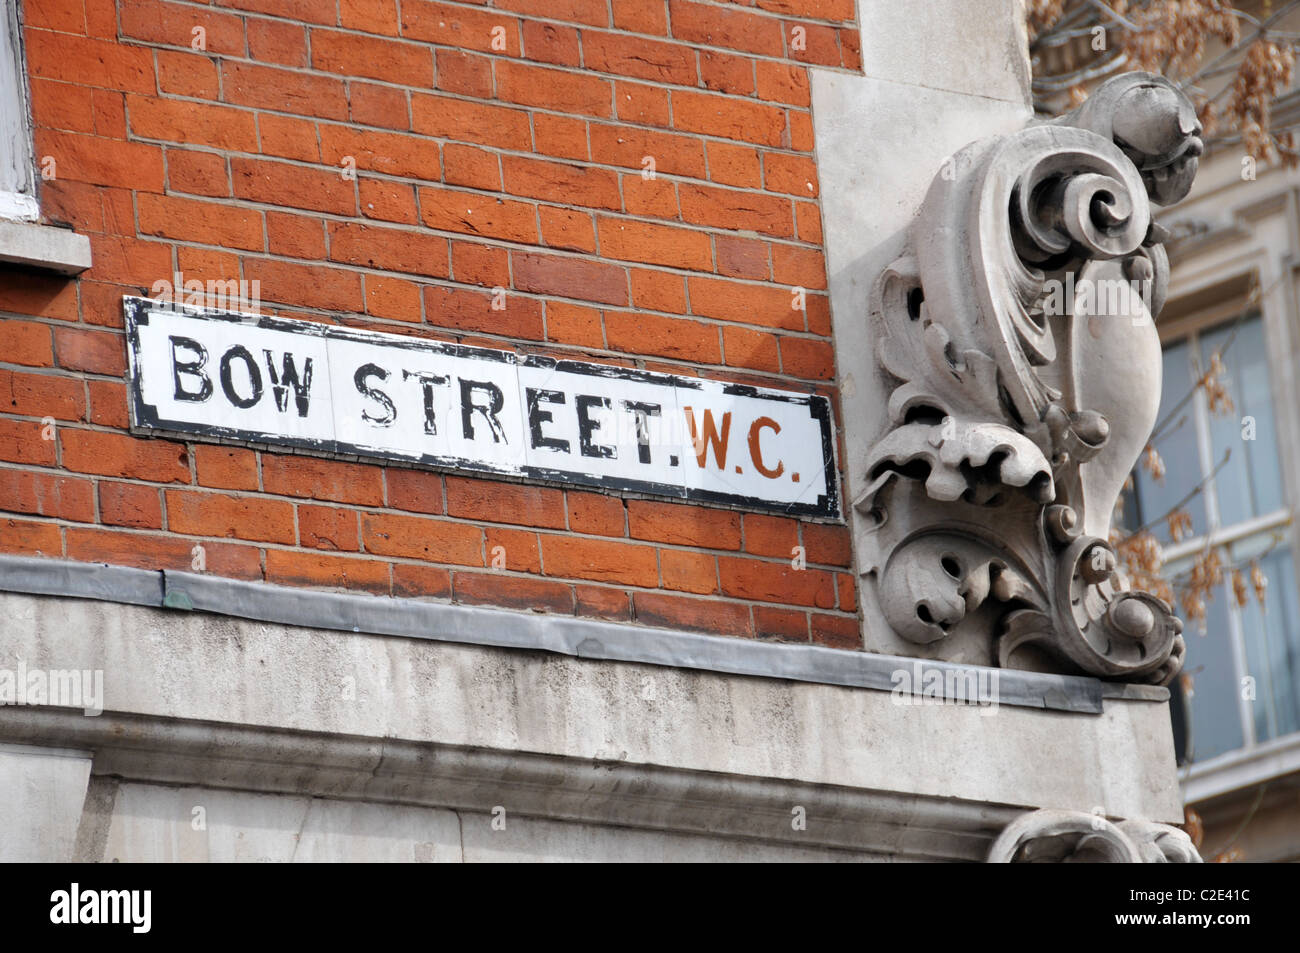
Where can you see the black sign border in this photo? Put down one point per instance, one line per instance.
(145, 418)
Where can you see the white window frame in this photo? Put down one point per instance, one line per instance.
(18, 200)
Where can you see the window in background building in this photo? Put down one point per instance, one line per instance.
(1243, 663)
(17, 167)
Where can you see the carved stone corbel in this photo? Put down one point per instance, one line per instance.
(1016, 337)
(1050, 836)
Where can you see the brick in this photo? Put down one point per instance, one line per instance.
(573, 324)
(466, 121)
(512, 549)
(417, 491)
(199, 173)
(813, 360)
(809, 217)
(595, 513)
(639, 57)
(391, 153)
(663, 337)
(89, 62)
(130, 504)
(654, 244)
(798, 267)
(771, 536)
(407, 64)
(390, 249)
(515, 592)
(776, 582)
(475, 264)
(306, 286)
(651, 198)
(734, 165)
(812, 9)
(215, 514)
(757, 350)
(725, 73)
(637, 16)
(848, 591)
(29, 538)
(372, 16)
(62, 106)
(600, 560)
(728, 118)
(560, 136)
(275, 41)
(295, 236)
(416, 537)
(27, 342)
(628, 147)
(820, 46)
(266, 87)
(799, 130)
(288, 138)
(683, 524)
(329, 528)
(710, 615)
(108, 404)
(95, 352)
(687, 571)
(225, 468)
(284, 184)
(128, 260)
(472, 311)
(552, 43)
(395, 298)
(290, 568)
(21, 442)
(836, 631)
(472, 167)
(641, 104)
(782, 83)
(465, 74)
(794, 175)
(193, 220)
(172, 24)
(371, 105)
(495, 502)
(184, 74)
(579, 93)
(742, 257)
(320, 479)
(473, 214)
(39, 296)
(310, 11)
(420, 582)
(448, 25)
(568, 229)
(45, 494)
(784, 624)
(193, 123)
(42, 395)
(658, 290)
(561, 182)
(577, 278)
(708, 25)
(127, 165)
(735, 210)
(752, 304)
(599, 602)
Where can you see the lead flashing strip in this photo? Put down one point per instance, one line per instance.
(564, 635)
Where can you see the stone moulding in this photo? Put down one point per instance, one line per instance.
(1050, 836)
(1018, 347)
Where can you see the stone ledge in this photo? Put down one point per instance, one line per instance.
(46, 247)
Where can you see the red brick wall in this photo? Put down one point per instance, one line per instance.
(476, 167)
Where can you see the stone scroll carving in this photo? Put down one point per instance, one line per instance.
(1016, 337)
(1051, 836)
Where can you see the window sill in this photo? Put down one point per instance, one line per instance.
(46, 247)
(1241, 768)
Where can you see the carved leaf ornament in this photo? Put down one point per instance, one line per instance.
(1016, 332)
